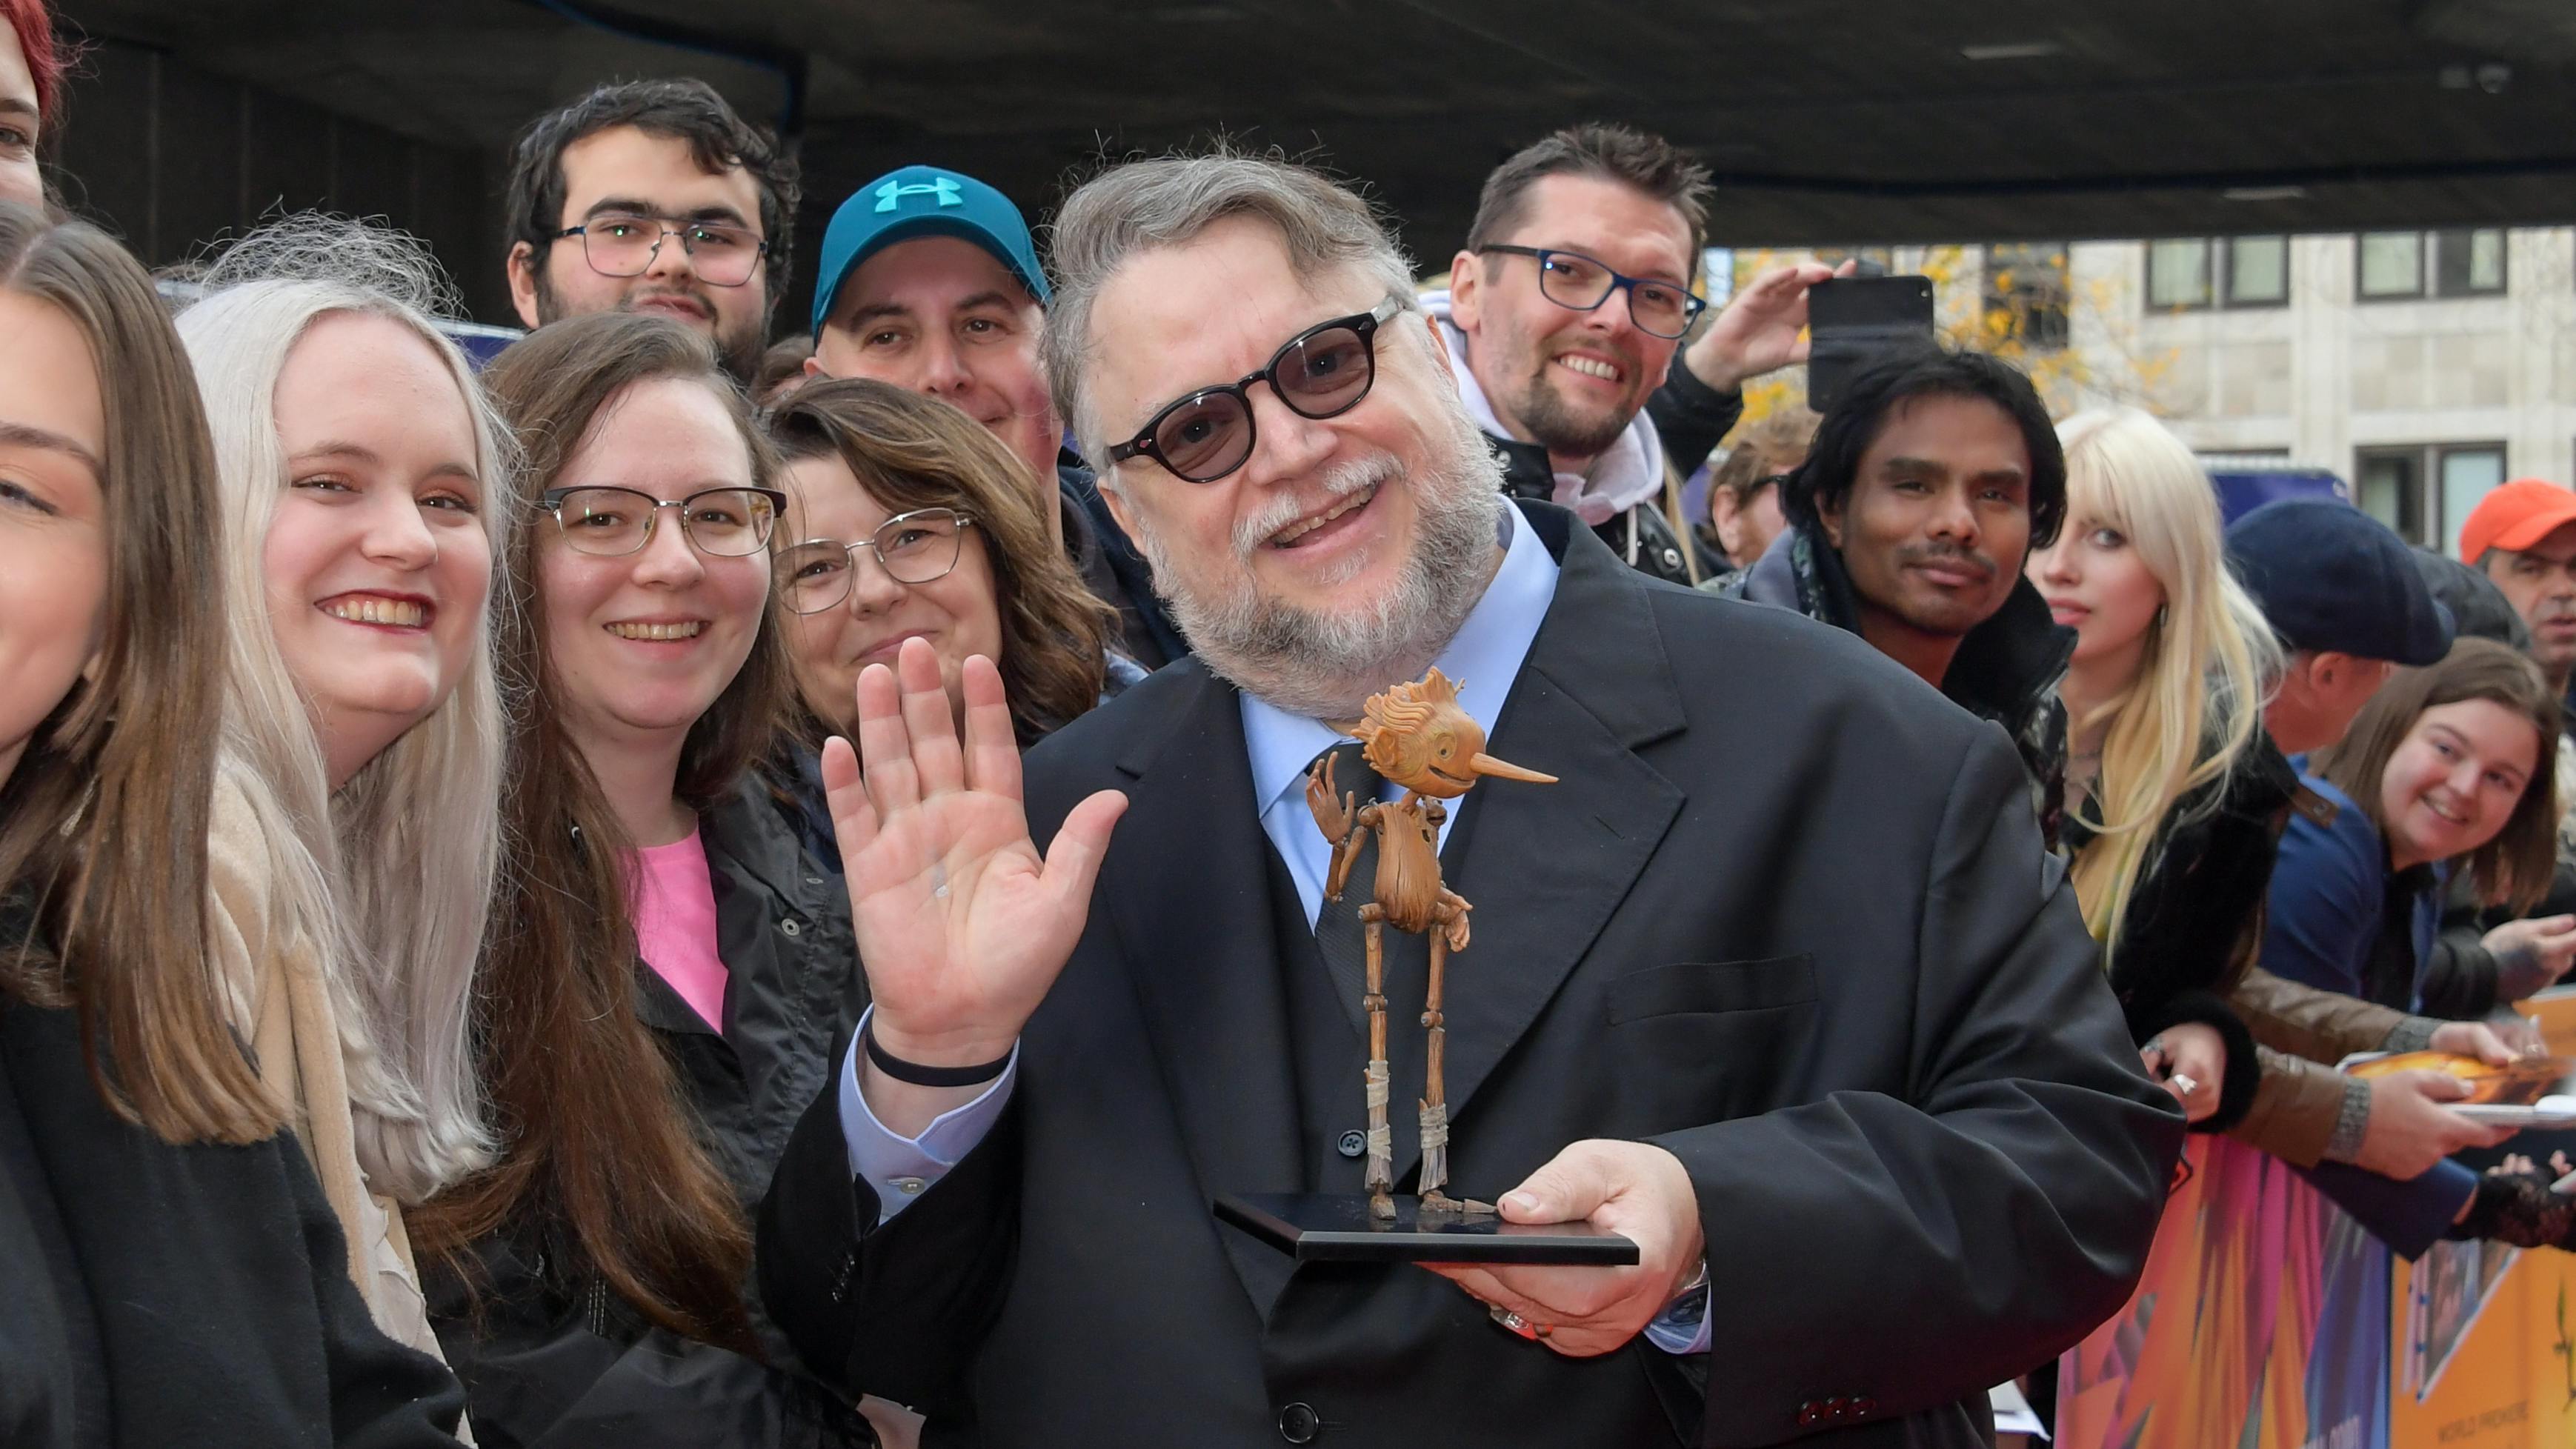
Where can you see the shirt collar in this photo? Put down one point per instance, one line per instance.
(1483, 657)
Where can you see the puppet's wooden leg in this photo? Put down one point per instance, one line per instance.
(1381, 1141)
(1435, 1095)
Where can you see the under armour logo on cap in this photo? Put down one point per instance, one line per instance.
(943, 187)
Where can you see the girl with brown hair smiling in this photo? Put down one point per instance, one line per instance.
(660, 999)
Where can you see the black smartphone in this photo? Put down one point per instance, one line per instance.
(1851, 320)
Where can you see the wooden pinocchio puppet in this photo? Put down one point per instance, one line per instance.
(1415, 736)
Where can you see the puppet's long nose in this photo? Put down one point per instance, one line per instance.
(1485, 764)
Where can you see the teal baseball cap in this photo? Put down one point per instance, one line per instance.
(924, 201)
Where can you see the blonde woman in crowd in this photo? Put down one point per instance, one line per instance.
(2174, 796)
(356, 825)
(2177, 798)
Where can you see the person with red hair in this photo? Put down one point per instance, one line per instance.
(31, 72)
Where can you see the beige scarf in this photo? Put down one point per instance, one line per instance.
(280, 1002)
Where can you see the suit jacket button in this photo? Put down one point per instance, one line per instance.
(1864, 1406)
(1353, 1143)
(1836, 1408)
(1297, 1423)
(1810, 1414)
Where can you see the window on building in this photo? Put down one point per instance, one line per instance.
(2258, 271)
(2243, 271)
(2392, 264)
(2026, 294)
(2468, 262)
(2425, 491)
(2178, 273)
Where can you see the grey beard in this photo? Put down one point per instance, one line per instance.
(1325, 666)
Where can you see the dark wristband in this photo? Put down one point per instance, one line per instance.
(921, 1076)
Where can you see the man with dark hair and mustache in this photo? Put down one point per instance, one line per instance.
(1564, 312)
(1908, 524)
(652, 196)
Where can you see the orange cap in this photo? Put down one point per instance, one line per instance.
(2515, 516)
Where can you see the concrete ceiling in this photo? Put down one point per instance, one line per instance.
(1856, 122)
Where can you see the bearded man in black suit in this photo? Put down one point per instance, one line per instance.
(1778, 982)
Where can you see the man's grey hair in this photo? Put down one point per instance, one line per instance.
(1141, 206)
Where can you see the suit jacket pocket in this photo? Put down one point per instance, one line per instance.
(1700, 987)
(1698, 1041)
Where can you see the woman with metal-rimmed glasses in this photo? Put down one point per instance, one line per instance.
(673, 971)
(908, 519)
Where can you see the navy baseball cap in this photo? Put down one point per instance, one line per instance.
(924, 201)
(2334, 579)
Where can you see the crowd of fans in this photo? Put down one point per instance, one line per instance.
(440, 916)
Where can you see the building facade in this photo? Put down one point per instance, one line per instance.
(2423, 368)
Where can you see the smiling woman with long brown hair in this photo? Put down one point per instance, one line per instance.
(661, 998)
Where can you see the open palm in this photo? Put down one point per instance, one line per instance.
(961, 924)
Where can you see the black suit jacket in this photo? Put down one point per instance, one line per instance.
(1787, 916)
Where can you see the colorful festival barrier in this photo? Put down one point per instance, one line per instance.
(2267, 1319)
(2270, 1322)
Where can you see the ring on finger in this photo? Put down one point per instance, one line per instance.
(1514, 1323)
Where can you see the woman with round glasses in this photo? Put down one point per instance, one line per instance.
(661, 1006)
(907, 519)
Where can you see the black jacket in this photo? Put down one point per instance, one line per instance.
(1117, 573)
(153, 1295)
(2195, 917)
(1690, 419)
(1838, 988)
(554, 1358)
(2006, 669)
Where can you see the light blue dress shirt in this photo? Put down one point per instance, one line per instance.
(1482, 659)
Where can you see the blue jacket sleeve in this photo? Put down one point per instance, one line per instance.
(2407, 1216)
(2327, 890)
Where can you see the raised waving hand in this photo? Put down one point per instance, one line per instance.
(961, 924)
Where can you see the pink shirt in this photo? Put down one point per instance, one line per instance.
(675, 923)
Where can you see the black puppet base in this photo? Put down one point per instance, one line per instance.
(1323, 1227)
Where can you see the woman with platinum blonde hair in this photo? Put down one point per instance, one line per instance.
(2174, 794)
(365, 492)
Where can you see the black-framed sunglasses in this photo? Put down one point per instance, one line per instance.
(1578, 283)
(913, 548)
(1321, 372)
(609, 521)
(620, 245)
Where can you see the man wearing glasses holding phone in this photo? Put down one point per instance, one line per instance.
(1564, 312)
(652, 196)
(1801, 1033)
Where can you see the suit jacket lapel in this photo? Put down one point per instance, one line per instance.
(1190, 903)
(1596, 685)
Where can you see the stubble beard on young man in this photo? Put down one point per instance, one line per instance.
(738, 353)
(1326, 665)
(1558, 425)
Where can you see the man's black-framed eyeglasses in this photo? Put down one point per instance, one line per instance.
(1321, 372)
(617, 244)
(609, 521)
(1578, 283)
